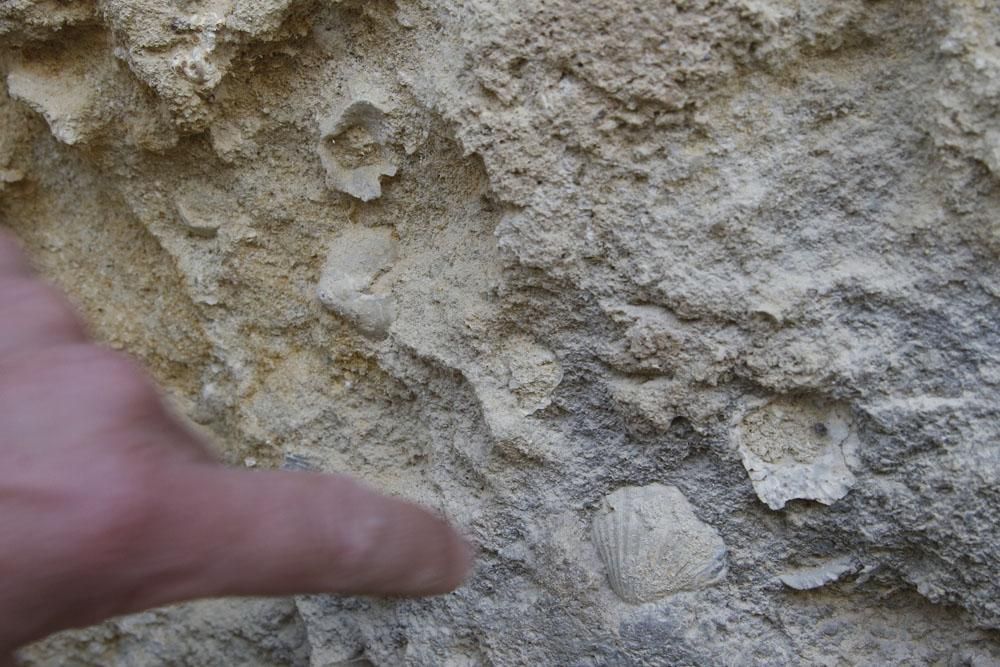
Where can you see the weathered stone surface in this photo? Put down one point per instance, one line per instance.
(618, 232)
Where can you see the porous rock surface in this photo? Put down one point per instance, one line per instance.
(602, 237)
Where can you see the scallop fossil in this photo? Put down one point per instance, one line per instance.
(653, 545)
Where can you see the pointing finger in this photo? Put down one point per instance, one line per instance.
(283, 533)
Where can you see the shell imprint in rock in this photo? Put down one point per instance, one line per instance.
(355, 260)
(808, 578)
(799, 447)
(353, 151)
(653, 545)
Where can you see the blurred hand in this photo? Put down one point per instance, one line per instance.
(109, 505)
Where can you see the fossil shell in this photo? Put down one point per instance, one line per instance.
(653, 545)
(808, 578)
(798, 447)
(353, 151)
(355, 260)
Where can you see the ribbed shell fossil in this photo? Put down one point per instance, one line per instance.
(652, 544)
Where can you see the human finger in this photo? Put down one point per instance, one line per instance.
(87, 393)
(282, 533)
(12, 259)
(32, 314)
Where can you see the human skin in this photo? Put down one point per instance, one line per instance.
(110, 505)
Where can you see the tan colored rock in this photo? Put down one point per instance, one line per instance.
(503, 257)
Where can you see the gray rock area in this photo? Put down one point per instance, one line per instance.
(534, 263)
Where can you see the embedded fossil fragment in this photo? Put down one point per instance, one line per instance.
(88, 96)
(534, 373)
(353, 152)
(355, 260)
(798, 448)
(293, 461)
(652, 544)
(8, 176)
(196, 65)
(64, 98)
(807, 578)
(192, 214)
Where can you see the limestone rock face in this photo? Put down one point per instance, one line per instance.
(508, 258)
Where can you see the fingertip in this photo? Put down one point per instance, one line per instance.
(461, 561)
(458, 573)
(282, 533)
(445, 569)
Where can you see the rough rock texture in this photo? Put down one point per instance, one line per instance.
(594, 239)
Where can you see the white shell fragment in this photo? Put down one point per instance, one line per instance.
(353, 152)
(193, 214)
(9, 176)
(808, 578)
(355, 260)
(653, 545)
(63, 98)
(798, 448)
